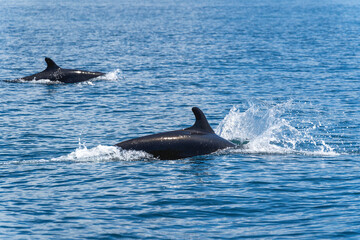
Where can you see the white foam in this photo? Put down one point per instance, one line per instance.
(102, 153)
(113, 76)
(266, 131)
(99, 153)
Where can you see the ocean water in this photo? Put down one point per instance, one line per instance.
(281, 76)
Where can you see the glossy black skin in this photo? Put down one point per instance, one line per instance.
(54, 73)
(199, 139)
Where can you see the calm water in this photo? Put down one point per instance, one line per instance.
(282, 75)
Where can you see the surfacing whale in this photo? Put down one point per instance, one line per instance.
(55, 73)
(199, 139)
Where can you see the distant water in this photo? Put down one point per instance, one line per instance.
(281, 76)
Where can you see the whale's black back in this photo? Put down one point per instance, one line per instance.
(55, 73)
(199, 139)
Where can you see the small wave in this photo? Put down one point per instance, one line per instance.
(266, 131)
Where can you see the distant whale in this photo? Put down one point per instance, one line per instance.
(200, 139)
(55, 73)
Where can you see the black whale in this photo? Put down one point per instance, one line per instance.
(200, 139)
(55, 73)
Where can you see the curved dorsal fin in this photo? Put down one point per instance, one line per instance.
(201, 122)
(51, 64)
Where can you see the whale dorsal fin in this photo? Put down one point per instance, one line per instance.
(201, 122)
(51, 64)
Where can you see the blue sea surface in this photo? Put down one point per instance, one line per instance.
(283, 77)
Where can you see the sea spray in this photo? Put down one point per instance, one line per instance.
(83, 154)
(113, 76)
(102, 153)
(272, 129)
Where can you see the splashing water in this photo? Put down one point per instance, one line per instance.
(113, 76)
(263, 129)
(102, 154)
(99, 153)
